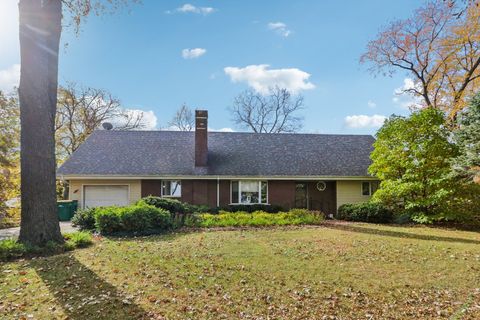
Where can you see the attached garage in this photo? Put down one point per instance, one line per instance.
(105, 195)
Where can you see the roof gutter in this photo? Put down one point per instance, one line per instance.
(210, 177)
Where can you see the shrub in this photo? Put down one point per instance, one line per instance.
(192, 220)
(171, 205)
(84, 219)
(402, 218)
(161, 219)
(137, 218)
(107, 219)
(10, 249)
(366, 212)
(249, 208)
(256, 218)
(78, 239)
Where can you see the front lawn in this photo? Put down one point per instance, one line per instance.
(344, 270)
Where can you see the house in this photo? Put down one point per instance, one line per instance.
(315, 171)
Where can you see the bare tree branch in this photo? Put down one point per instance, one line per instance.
(272, 113)
(82, 110)
(183, 120)
(439, 47)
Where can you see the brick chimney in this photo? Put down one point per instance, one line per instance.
(201, 138)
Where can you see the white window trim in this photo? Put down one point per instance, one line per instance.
(240, 191)
(169, 196)
(369, 189)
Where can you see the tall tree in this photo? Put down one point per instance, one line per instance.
(467, 138)
(40, 30)
(183, 119)
(275, 112)
(439, 48)
(82, 110)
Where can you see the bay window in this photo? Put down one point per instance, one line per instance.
(171, 188)
(249, 192)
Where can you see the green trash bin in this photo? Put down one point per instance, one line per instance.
(66, 209)
(73, 208)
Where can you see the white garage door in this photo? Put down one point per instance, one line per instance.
(101, 196)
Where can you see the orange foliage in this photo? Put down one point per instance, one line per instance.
(438, 48)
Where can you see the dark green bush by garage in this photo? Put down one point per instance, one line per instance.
(84, 219)
(365, 212)
(137, 218)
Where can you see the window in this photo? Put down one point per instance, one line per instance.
(249, 192)
(171, 188)
(369, 187)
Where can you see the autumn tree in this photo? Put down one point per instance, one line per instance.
(274, 112)
(81, 110)
(40, 29)
(183, 120)
(9, 150)
(438, 47)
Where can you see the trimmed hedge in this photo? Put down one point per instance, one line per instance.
(257, 218)
(365, 212)
(137, 218)
(152, 214)
(254, 207)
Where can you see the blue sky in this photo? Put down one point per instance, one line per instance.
(313, 47)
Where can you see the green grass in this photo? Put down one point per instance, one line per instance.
(347, 271)
(11, 249)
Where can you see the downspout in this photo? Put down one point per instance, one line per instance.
(218, 191)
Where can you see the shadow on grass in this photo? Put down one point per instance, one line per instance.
(397, 234)
(83, 294)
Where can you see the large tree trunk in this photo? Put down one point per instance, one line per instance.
(40, 29)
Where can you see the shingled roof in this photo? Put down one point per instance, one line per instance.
(171, 153)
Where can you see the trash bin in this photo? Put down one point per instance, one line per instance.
(66, 209)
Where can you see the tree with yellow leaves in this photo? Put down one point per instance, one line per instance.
(439, 48)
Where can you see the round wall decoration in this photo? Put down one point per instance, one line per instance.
(321, 185)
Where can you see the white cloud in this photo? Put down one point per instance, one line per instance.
(280, 28)
(363, 121)
(371, 104)
(221, 130)
(405, 99)
(193, 53)
(190, 8)
(10, 78)
(262, 80)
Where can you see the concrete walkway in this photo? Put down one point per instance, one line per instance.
(65, 227)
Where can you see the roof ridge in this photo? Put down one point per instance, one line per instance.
(242, 132)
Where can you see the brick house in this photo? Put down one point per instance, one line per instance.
(315, 171)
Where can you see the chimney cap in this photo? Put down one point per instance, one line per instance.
(201, 113)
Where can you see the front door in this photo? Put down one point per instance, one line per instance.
(301, 195)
